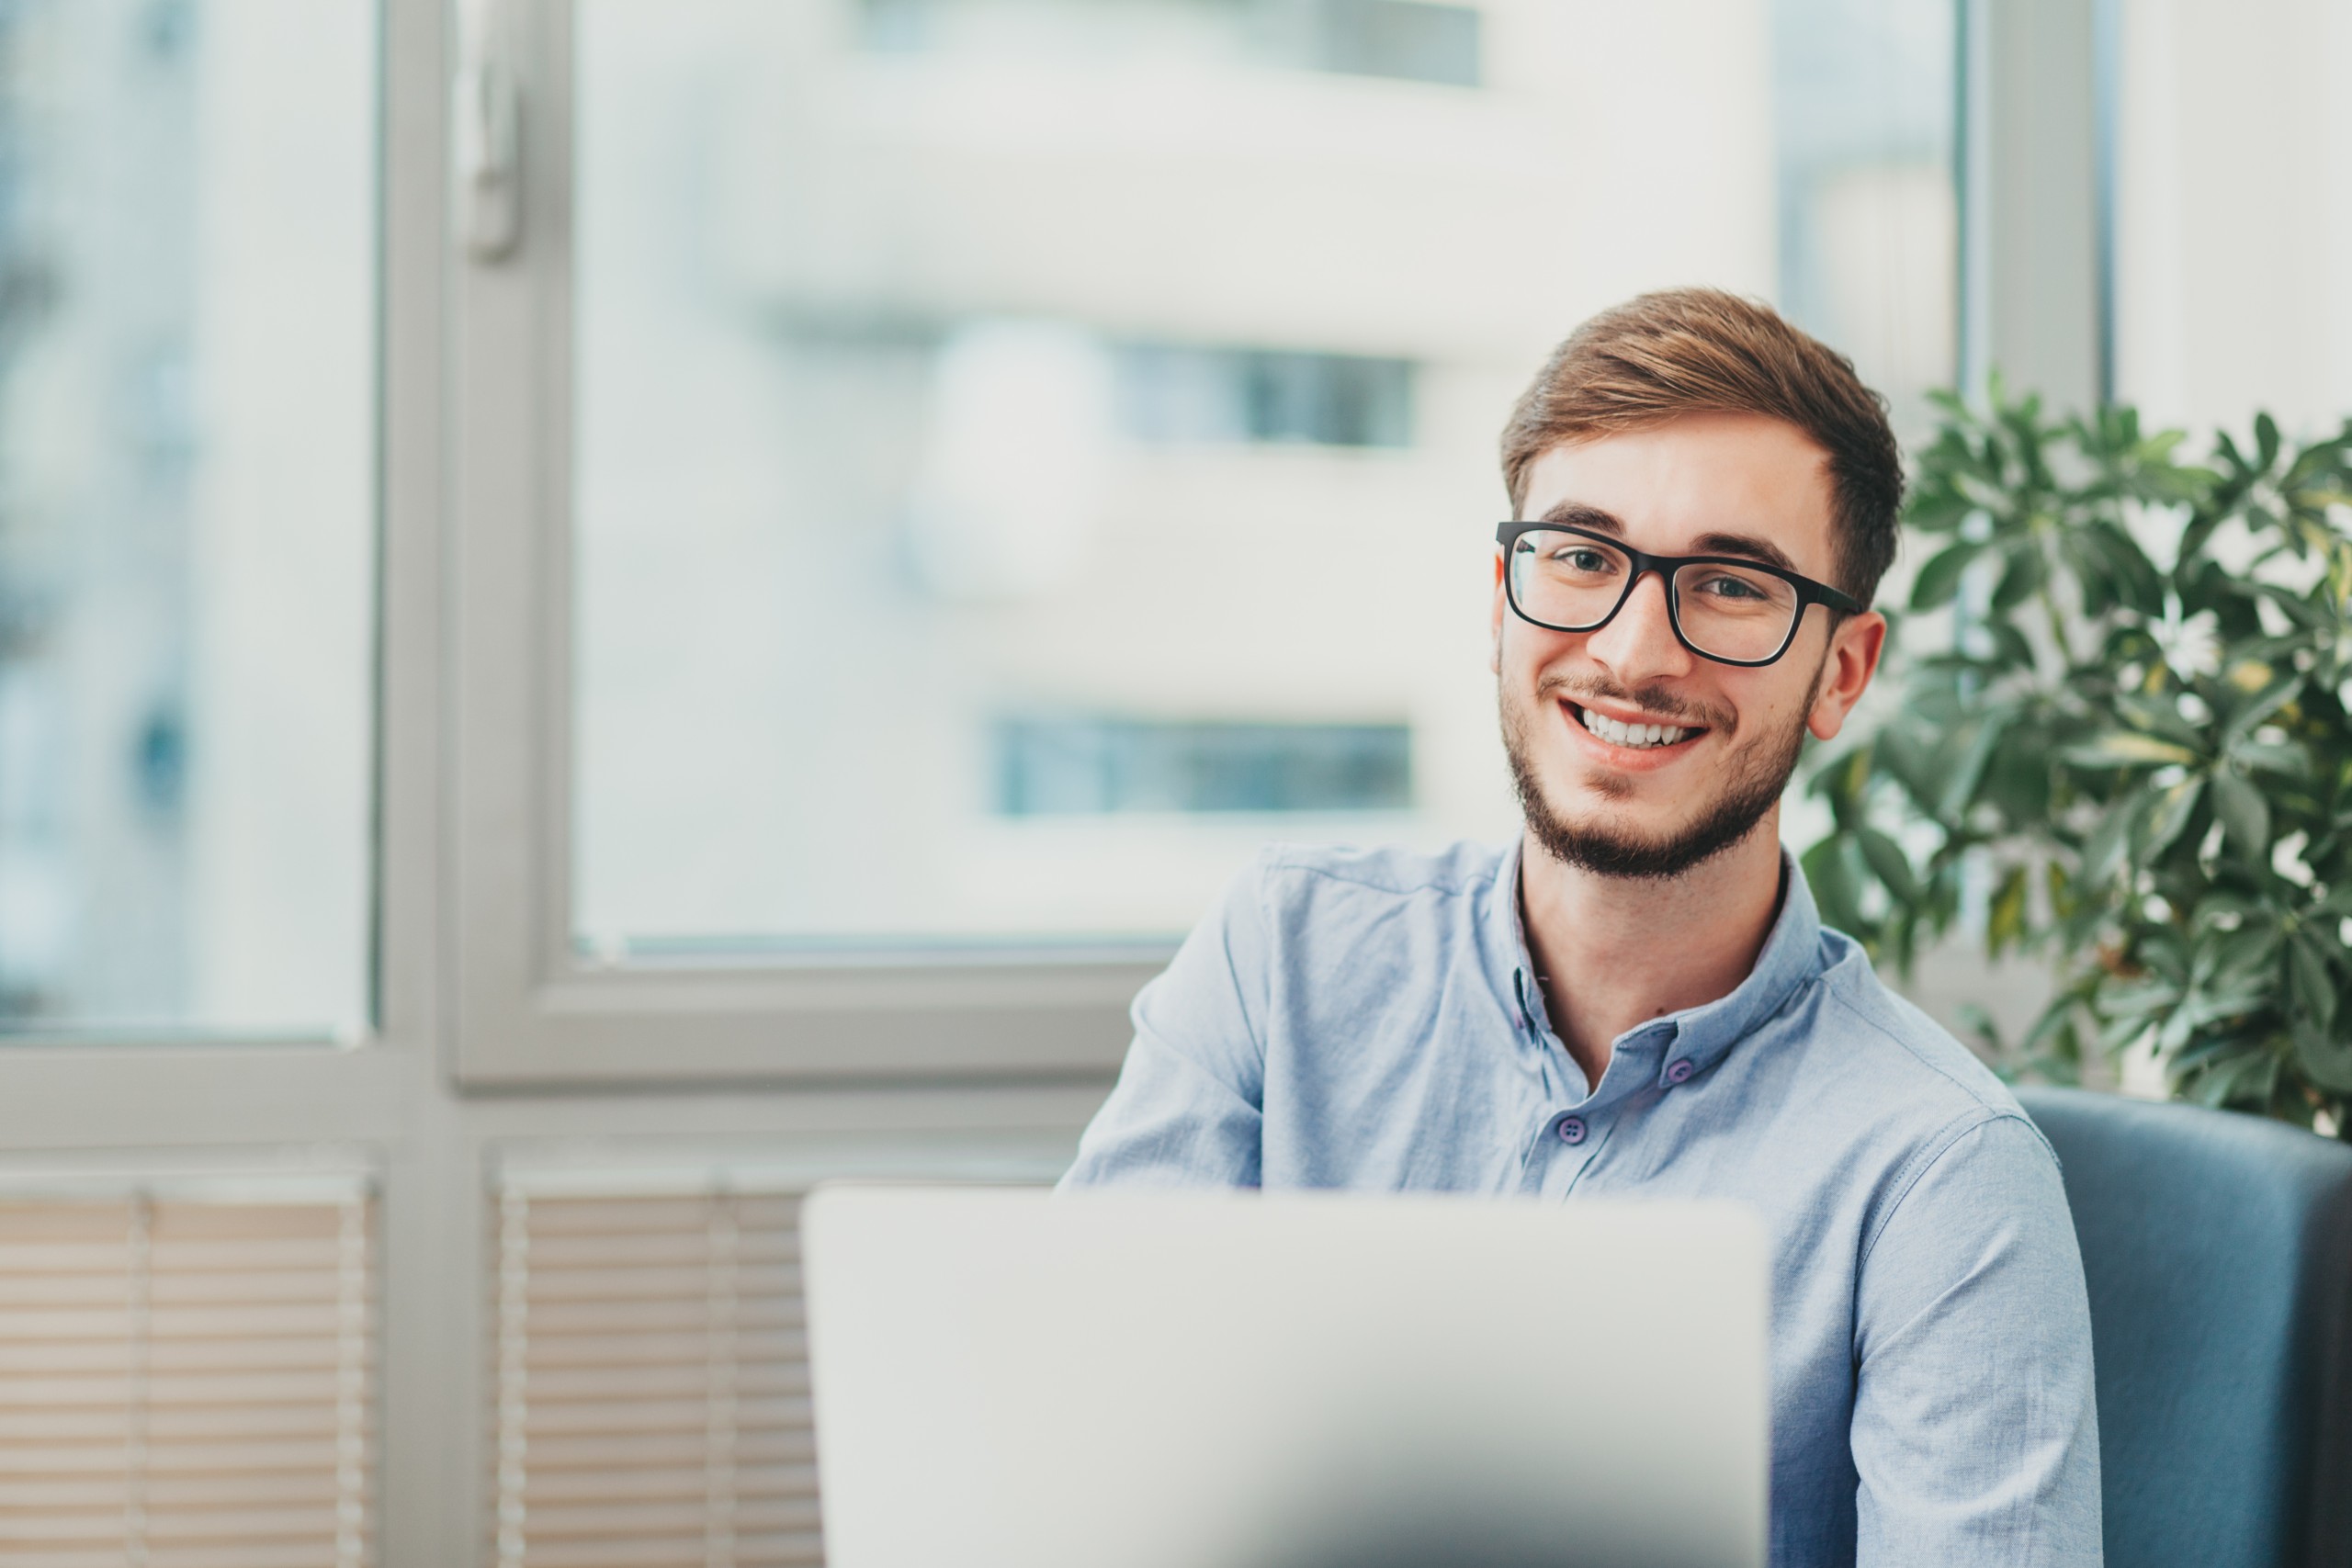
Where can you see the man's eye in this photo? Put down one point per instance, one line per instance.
(1583, 560)
(1738, 588)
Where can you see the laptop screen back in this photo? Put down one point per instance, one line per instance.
(1223, 1380)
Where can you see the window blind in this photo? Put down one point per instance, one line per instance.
(651, 1382)
(185, 1379)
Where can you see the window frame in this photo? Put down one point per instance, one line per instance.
(527, 1008)
(527, 1011)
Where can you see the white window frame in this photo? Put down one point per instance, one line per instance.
(528, 1008)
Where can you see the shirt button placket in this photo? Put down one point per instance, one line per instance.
(1572, 1130)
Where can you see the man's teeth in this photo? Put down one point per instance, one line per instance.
(1618, 734)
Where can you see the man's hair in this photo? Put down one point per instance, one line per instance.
(1703, 351)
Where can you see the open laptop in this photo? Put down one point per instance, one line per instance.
(1012, 1378)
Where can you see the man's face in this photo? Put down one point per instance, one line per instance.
(1702, 484)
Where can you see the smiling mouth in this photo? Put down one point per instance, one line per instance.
(1632, 736)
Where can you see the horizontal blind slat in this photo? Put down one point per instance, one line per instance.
(651, 1383)
(185, 1382)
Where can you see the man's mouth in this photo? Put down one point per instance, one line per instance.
(1634, 737)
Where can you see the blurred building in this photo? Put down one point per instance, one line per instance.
(186, 513)
(1026, 453)
(1030, 452)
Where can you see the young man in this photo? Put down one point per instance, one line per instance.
(1637, 998)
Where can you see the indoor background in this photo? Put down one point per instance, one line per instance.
(610, 607)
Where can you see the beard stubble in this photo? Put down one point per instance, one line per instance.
(1756, 785)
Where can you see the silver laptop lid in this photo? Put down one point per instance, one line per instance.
(1011, 1378)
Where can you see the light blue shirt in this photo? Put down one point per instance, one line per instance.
(1370, 1019)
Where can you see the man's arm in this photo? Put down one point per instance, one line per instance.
(1976, 1431)
(1186, 1111)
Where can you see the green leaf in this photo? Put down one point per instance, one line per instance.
(1936, 511)
(2127, 996)
(1939, 580)
(2310, 978)
(2269, 700)
(2273, 757)
(2126, 748)
(1890, 864)
(2104, 848)
(1960, 785)
(2135, 575)
(1830, 876)
(2170, 814)
(2161, 716)
(2327, 1061)
(2005, 919)
(2244, 815)
(2023, 577)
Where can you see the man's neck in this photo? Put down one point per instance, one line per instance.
(1615, 952)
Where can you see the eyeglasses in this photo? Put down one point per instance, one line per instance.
(1727, 608)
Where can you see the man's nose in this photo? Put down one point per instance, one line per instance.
(1638, 644)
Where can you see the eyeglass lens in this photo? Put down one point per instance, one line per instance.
(1571, 582)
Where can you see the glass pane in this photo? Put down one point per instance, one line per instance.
(1030, 453)
(1870, 219)
(187, 302)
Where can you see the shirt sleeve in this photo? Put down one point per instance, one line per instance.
(1976, 1429)
(1188, 1107)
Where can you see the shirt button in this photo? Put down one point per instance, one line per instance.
(1572, 1130)
(1680, 1072)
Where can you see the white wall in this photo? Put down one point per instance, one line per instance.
(2234, 258)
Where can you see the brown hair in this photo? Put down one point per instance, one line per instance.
(1701, 350)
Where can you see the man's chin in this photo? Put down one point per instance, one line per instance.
(1615, 851)
(1589, 825)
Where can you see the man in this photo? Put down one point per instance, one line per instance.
(1637, 998)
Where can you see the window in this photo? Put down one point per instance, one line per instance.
(1408, 40)
(1081, 766)
(1869, 216)
(187, 471)
(1169, 395)
(943, 482)
(942, 363)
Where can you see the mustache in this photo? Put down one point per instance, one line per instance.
(1661, 705)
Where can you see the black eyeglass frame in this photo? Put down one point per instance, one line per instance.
(1809, 592)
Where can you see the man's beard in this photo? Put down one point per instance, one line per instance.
(1756, 783)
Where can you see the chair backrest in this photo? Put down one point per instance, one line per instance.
(2218, 1248)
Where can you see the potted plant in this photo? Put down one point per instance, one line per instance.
(2131, 752)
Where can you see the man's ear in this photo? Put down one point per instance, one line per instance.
(1494, 621)
(1854, 650)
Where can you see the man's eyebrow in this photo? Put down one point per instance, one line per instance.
(1577, 514)
(1743, 544)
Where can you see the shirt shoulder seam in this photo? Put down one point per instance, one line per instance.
(1981, 1113)
(1252, 1006)
(1836, 994)
(1917, 1168)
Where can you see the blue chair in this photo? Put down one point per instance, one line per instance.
(2218, 1249)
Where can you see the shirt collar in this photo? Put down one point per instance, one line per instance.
(1700, 1037)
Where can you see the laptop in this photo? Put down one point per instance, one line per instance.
(1009, 1377)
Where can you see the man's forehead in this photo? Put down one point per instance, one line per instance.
(1673, 485)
